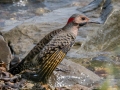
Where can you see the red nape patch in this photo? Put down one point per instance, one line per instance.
(70, 20)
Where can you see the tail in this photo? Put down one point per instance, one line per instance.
(49, 66)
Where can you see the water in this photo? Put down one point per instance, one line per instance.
(19, 10)
(24, 9)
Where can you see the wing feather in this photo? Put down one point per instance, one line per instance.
(59, 46)
(50, 56)
(41, 45)
(27, 61)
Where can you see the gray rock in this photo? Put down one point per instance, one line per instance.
(14, 61)
(108, 36)
(7, 1)
(70, 73)
(21, 37)
(91, 6)
(101, 58)
(25, 36)
(1, 33)
(5, 53)
(40, 11)
(74, 87)
(100, 37)
(95, 5)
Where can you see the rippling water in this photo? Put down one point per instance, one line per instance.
(24, 9)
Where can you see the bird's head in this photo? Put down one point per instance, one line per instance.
(77, 19)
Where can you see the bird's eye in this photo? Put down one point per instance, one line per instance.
(83, 18)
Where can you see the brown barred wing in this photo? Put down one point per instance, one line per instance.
(27, 61)
(45, 69)
(41, 45)
(49, 66)
(53, 54)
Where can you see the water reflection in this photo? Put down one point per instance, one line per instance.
(20, 11)
(20, 3)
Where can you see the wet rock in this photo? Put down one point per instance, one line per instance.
(7, 1)
(1, 33)
(79, 87)
(70, 73)
(40, 11)
(14, 61)
(102, 58)
(8, 81)
(23, 36)
(73, 87)
(5, 53)
(101, 61)
(2, 22)
(102, 72)
(116, 59)
(107, 37)
(2, 66)
(95, 5)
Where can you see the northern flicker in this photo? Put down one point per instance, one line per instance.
(51, 50)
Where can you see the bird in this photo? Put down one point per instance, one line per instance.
(50, 51)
